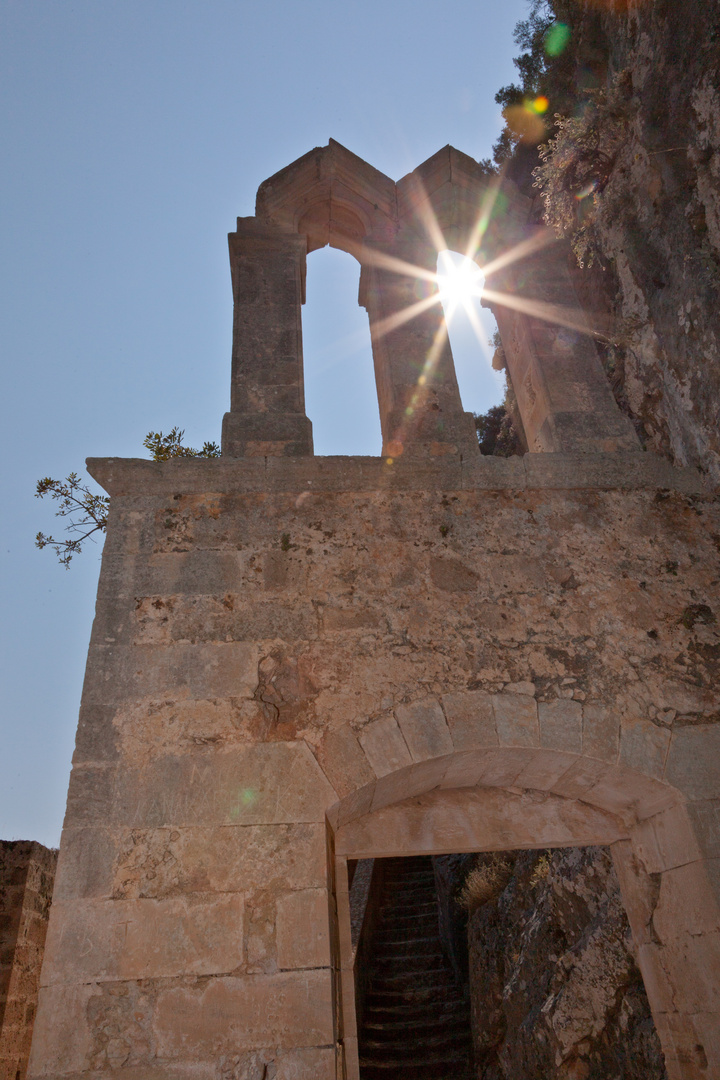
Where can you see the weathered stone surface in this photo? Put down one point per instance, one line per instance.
(343, 761)
(290, 1009)
(471, 719)
(134, 939)
(303, 929)
(467, 820)
(384, 746)
(693, 762)
(644, 746)
(62, 1043)
(424, 729)
(203, 671)
(601, 733)
(516, 718)
(554, 987)
(27, 870)
(260, 784)
(561, 724)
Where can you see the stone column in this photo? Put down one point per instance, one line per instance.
(417, 389)
(267, 410)
(563, 393)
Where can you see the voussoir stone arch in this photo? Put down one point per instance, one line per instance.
(472, 771)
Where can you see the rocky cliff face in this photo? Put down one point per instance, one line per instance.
(554, 988)
(657, 223)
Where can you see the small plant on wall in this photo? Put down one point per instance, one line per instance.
(86, 512)
(578, 161)
(486, 881)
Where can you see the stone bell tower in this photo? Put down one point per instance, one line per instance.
(299, 661)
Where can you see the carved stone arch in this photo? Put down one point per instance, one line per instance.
(331, 196)
(479, 778)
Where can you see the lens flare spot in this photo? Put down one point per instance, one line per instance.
(395, 449)
(524, 122)
(557, 39)
(586, 190)
(540, 105)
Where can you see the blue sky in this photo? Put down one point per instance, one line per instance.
(133, 134)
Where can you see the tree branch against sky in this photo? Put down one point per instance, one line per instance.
(87, 512)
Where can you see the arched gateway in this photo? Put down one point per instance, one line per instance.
(297, 661)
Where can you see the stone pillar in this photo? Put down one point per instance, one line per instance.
(267, 410)
(675, 923)
(415, 375)
(563, 393)
(27, 872)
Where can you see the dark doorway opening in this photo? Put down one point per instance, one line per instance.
(515, 965)
(413, 1010)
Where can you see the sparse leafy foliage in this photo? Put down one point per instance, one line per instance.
(163, 447)
(496, 433)
(576, 164)
(86, 512)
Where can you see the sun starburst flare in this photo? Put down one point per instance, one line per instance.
(458, 285)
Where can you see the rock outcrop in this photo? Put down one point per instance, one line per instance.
(555, 990)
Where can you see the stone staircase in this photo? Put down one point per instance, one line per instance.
(416, 1023)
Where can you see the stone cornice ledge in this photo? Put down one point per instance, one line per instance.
(619, 470)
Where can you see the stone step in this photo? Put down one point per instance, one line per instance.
(447, 1014)
(442, 1030)
(416, 1021)
(419, 946)
(407, 913)
(410, 962)
(416, 1014)
(451, 1066)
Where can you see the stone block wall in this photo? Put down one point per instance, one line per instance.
(27, 872)
(284, 651)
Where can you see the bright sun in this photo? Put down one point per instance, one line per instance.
(460, 280)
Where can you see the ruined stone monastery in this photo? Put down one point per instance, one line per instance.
(301, 662)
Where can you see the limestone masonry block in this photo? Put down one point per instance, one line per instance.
(561, 724)
(384, 746)
(131, 939)
(644, 746)
(343, 761)
(693, 761)
(302, 932)
(665, 841)
(516, 719)
(289, 1009)
(471, 719)
(425, 729)
(266, 783)
(600, 733)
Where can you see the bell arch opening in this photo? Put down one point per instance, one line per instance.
(340, 392)
(470, 328)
